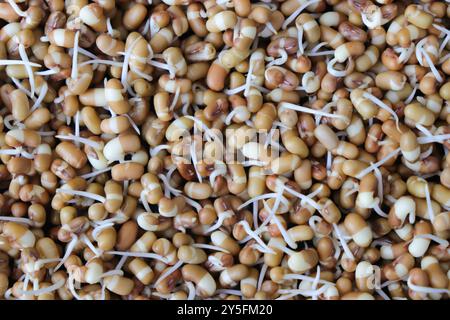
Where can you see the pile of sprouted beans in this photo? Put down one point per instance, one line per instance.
(224, 149)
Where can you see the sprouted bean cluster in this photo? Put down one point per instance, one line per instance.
(224, 149)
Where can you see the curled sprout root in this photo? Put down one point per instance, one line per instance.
(225, 150)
